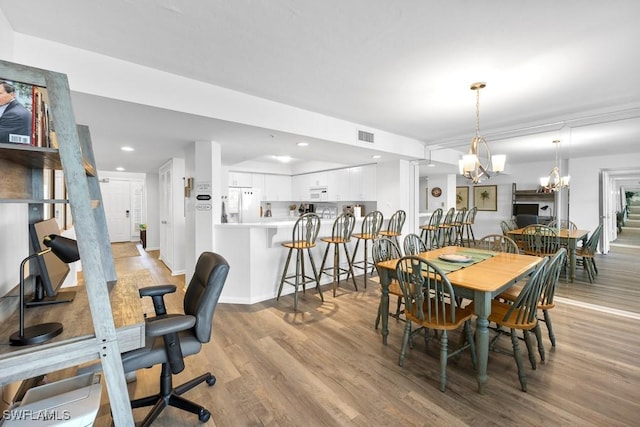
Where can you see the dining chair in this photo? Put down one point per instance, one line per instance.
(539, 240)
(546, 301)
(305, 232)
(394, 227)
(587, 253)
(430, 304)
(563, 224)
(413, 244)
(384, 249)
(505, 227)
(498, 243)
(446, 227)
(370, 229)
(519, 315)
(430, 232)
(458, 227)
(340, 236)
(468, 222)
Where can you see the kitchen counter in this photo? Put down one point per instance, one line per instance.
(256, 257)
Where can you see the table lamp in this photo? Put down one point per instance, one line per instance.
(65, 249)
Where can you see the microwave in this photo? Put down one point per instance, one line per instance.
(318, 194)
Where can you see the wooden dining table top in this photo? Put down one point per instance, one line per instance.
(489, 275)
(564, 233)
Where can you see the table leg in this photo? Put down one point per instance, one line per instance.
(482, 304)
(384, 303)
(572, 259)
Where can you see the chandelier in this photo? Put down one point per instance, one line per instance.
(554, 181)
(476, 164)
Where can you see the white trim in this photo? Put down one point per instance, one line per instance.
(595, 307)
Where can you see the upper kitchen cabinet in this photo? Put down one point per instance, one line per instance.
(277, 188)
(363, 183)
(338, 185)
(240, 179)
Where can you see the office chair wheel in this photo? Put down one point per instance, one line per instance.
(204, 416)
(211, 380)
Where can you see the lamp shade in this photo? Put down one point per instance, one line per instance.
(66, 249)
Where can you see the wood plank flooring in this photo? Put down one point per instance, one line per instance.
(326, 365)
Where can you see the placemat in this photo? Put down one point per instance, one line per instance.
(476, 255)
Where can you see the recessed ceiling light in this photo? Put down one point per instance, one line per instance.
(120, 168)
(283, 159)
(302, 144)
(431, 165)
(376, 156)
(127, 149)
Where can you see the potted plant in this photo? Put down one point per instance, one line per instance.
(143, 235)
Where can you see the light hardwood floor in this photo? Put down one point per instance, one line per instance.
(326, 365)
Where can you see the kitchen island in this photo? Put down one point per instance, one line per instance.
(256, 257)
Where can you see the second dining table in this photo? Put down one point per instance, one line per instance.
(569, 238)
(484, 276)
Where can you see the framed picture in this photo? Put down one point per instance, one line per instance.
(485, 197)
(462, 198)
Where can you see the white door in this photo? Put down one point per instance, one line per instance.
(117, 209)
(166, 216)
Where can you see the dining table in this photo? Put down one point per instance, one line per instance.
(567, 238)
(475, 274)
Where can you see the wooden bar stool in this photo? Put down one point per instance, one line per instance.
(446, 227)
(305, 232)
(371, 225)
(340, 235)
(394, 228)
(458, 227)
(430, 231)
(468, 222)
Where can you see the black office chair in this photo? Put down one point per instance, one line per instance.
(171, 337)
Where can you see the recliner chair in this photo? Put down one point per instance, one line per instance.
(171, 337)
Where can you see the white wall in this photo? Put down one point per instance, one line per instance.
(6, 35)
(14, 243)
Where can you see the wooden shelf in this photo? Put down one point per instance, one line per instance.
(533, 195)
(37, 157)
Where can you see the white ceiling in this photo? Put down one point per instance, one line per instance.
(401, 66)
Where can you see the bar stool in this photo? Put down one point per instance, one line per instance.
(394, 228)
(446, 227)
(340, 235)
(305, 232)
(431, 230)
(468, 222)
(458, 227)
(371, 225)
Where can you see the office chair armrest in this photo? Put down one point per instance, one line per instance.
(157, 293)
(168, 328)
(166, 325)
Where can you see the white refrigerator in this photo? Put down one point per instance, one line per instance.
(243, 205)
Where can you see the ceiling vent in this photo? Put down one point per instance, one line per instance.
(365, 136)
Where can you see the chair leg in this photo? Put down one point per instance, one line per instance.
(538, 333)
(405, 341)
(472, 344)
(284, 274)
(518, 357)
(531, 354)
(315, 274)
(444, 349)
(350, 271)
(547, 320)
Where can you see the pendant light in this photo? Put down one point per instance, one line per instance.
(554, 181)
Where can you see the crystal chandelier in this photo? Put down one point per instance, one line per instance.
(554, 181)
(476, 164)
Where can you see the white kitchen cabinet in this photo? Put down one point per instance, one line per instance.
(300, 187)
(277, 188)
(318, 179)
(240, 179)
(338, 185)
(363, 183)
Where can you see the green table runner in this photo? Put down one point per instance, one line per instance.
(476, 255)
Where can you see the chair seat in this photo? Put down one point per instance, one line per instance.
(365, 236)
(389, 233)
(394, 288)
(336, 240)
(461, 316)
(154, 352)
(499, 310)
(299, 245)
(428, 227)
(512, 293)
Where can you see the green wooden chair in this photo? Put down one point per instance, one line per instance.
(498, 243)
(430, 304)
(552, 272)
(540, 240)
(587, 253)
(519, 315)
(413, 244)
(340, 235)
(446, 228)
(371, 225)
(469, 220)
(305, 232)
(430, 232)
(385, 249)
(458, 227)
(394, 228)
(563, 224)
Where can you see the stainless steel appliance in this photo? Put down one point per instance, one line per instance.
(243, 204)
(267, 212)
